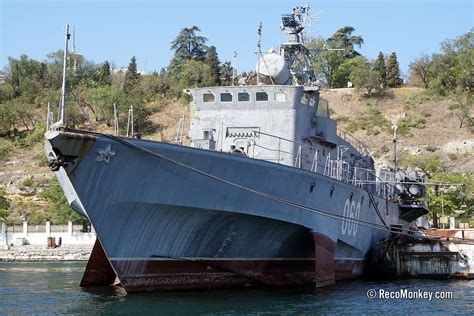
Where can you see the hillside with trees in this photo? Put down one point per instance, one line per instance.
(435, 131)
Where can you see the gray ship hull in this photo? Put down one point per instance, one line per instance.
(201, 218)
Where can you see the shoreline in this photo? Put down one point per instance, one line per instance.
(34, 253)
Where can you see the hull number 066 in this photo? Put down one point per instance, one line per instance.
(351, 217)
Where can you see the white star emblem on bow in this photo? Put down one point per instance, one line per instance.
(105, 154)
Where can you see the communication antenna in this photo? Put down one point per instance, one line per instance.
(260, 54)
(307, 20)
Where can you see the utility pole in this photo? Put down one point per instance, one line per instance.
(394, 142)
(259, 50)
(394, 120)
(234, 67)
(116, 121)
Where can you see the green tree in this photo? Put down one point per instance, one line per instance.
(463, 110)
(187, 45)
(451, 200)
(132, 77)
(419, 71)
(212, 60)
(8, 119)
(102, 99)
(104, 75)
(4, 203)
(58, 207)
(226, 71)
(42, 75)
(55, 66)
(195, 74)
(453, 68)
(428, 164)
(363, 76)
(320, 62)
(343, 38)
(329, 62)
(21, 69)
(16, 112)
(461, 52)
(443, 79)
(393, 72)
(379, 66)
(6, 92)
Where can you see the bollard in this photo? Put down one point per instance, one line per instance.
(4, 228)
(51, 242)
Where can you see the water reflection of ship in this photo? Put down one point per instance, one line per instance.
(269, 193)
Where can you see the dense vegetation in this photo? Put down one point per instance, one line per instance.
(31, 84)
(94, 88)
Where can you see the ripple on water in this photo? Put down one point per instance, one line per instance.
(53, 288)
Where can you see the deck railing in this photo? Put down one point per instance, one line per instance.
(355, 142)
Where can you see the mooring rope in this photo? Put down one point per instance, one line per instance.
(394, 230)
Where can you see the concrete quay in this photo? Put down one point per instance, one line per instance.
(31, 253)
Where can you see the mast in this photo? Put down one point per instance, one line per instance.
(60, 123)
(298, 57)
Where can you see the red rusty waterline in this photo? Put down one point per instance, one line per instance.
(175, 274)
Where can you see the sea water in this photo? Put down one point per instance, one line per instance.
(53, 288)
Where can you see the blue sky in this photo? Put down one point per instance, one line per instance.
(115, 30)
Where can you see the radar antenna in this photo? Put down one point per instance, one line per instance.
(298, 57)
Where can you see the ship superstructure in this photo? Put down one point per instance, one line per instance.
(270, 192)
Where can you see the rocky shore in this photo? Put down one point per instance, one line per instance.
(30, 253)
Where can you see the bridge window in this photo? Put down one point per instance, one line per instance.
(261, 96)
(243, 97)
(280, 96)
(208, 97)
(226, 97)
(323, 108)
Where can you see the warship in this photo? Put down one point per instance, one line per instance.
(270, 191)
